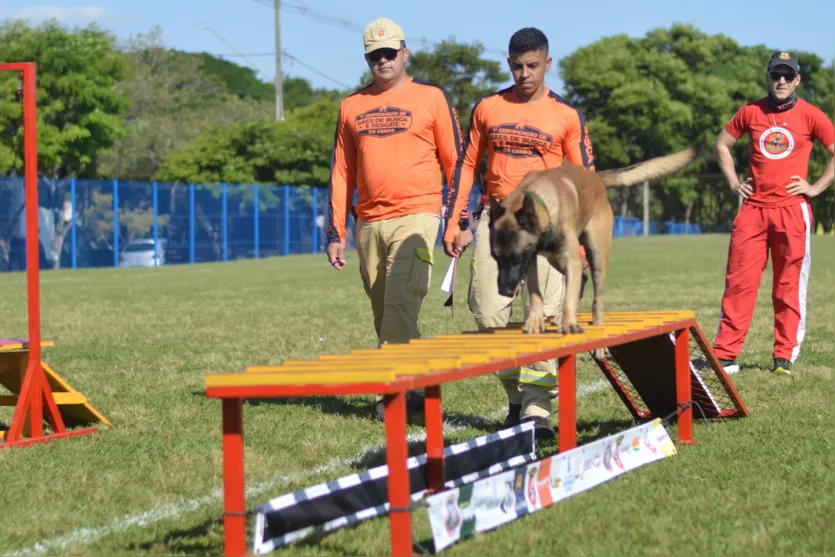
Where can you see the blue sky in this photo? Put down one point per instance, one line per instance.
(332, 45)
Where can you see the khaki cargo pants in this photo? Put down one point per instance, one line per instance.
(528, 386)
(396, 268)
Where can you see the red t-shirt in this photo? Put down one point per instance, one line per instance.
(780, 144)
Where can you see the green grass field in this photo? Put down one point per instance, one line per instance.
(139, 342)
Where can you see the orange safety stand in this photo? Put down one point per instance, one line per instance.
(34, 398)
(393, 370)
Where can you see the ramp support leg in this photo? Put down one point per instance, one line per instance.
(234, 502)
(434, 438)
(397, 452)
(684, 397)
(568, 402)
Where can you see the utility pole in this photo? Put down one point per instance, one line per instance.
(279, 80)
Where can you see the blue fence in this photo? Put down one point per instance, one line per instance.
(89, 223)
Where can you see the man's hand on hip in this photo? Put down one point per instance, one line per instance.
(336, 255)
(745, 189)
(801, 187)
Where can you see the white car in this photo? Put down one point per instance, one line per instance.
(140, 253)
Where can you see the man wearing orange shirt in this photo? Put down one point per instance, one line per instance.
(390, 137)
(775, 215)
(522, 128)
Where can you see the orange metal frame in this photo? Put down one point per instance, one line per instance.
(233, 396)
(35, 400)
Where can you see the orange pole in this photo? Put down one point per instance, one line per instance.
(397, 452)
(568, 402)
(434, 438)
(30, 167)
(234, 498)
(683, 388)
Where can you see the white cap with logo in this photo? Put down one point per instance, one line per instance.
(382, 33)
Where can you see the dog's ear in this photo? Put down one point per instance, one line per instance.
(496, 209)
(526, 215)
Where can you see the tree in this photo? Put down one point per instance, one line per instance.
(78, 104)
(295, 151)
(459, 70)
(645, 97)
(298, 93)
(172, 102)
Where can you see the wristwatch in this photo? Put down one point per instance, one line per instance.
(464, 223)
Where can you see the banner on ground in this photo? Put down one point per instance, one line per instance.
(502, 498)
(346, 501)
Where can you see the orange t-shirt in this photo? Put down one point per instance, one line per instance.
(779, 147)
(388, 147)
(518, 137)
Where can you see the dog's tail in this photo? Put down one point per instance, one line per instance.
(651, 169)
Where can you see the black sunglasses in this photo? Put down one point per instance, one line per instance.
(387, 53)
(775, 76)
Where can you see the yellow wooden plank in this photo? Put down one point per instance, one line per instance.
(461, 357)
(74, 413)
(314, 366)
(14, 345)
(402, 366)
(61, 399)
(276, 379)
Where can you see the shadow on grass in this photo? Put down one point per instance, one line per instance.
(364, 407)
(205, 538)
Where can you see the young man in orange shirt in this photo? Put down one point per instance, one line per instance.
(390, 138)
(525, 127)
(775, 215)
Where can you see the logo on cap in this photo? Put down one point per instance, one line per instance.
(785, 56)
(382, 34)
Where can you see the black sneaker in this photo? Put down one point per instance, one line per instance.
(782, 366)
(542, 430)
(730, 366)
(414, 402)
(513, 418)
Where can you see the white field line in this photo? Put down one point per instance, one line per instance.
(86, 536)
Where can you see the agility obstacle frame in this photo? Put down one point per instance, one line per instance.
(38, 393)
(393, 370)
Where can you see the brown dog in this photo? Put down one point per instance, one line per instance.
(552, 212)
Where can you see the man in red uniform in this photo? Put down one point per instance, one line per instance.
(522, 128)
(775, 215)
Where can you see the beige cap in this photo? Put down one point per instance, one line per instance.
(382, 33)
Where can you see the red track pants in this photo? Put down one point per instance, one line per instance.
(786, 232)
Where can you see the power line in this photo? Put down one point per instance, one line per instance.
(352, 26)
(314, 70)
(255, 69)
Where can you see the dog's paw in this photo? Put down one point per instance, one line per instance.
(535, 324)
(570, 329)
(599, 354)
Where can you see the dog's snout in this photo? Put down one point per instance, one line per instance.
(507, 292)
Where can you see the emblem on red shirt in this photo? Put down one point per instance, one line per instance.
(776, 143)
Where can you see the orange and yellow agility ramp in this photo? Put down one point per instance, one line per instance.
(647, 362)
(42, 395)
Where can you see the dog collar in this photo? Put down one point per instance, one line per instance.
(537, 199)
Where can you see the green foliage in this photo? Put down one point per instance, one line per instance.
(298, 93)
(173, 102)
(459, 70)
(296, 151)
(236, 80)
(645, 97)
(78, 103)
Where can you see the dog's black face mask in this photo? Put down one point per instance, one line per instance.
(512, 245)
